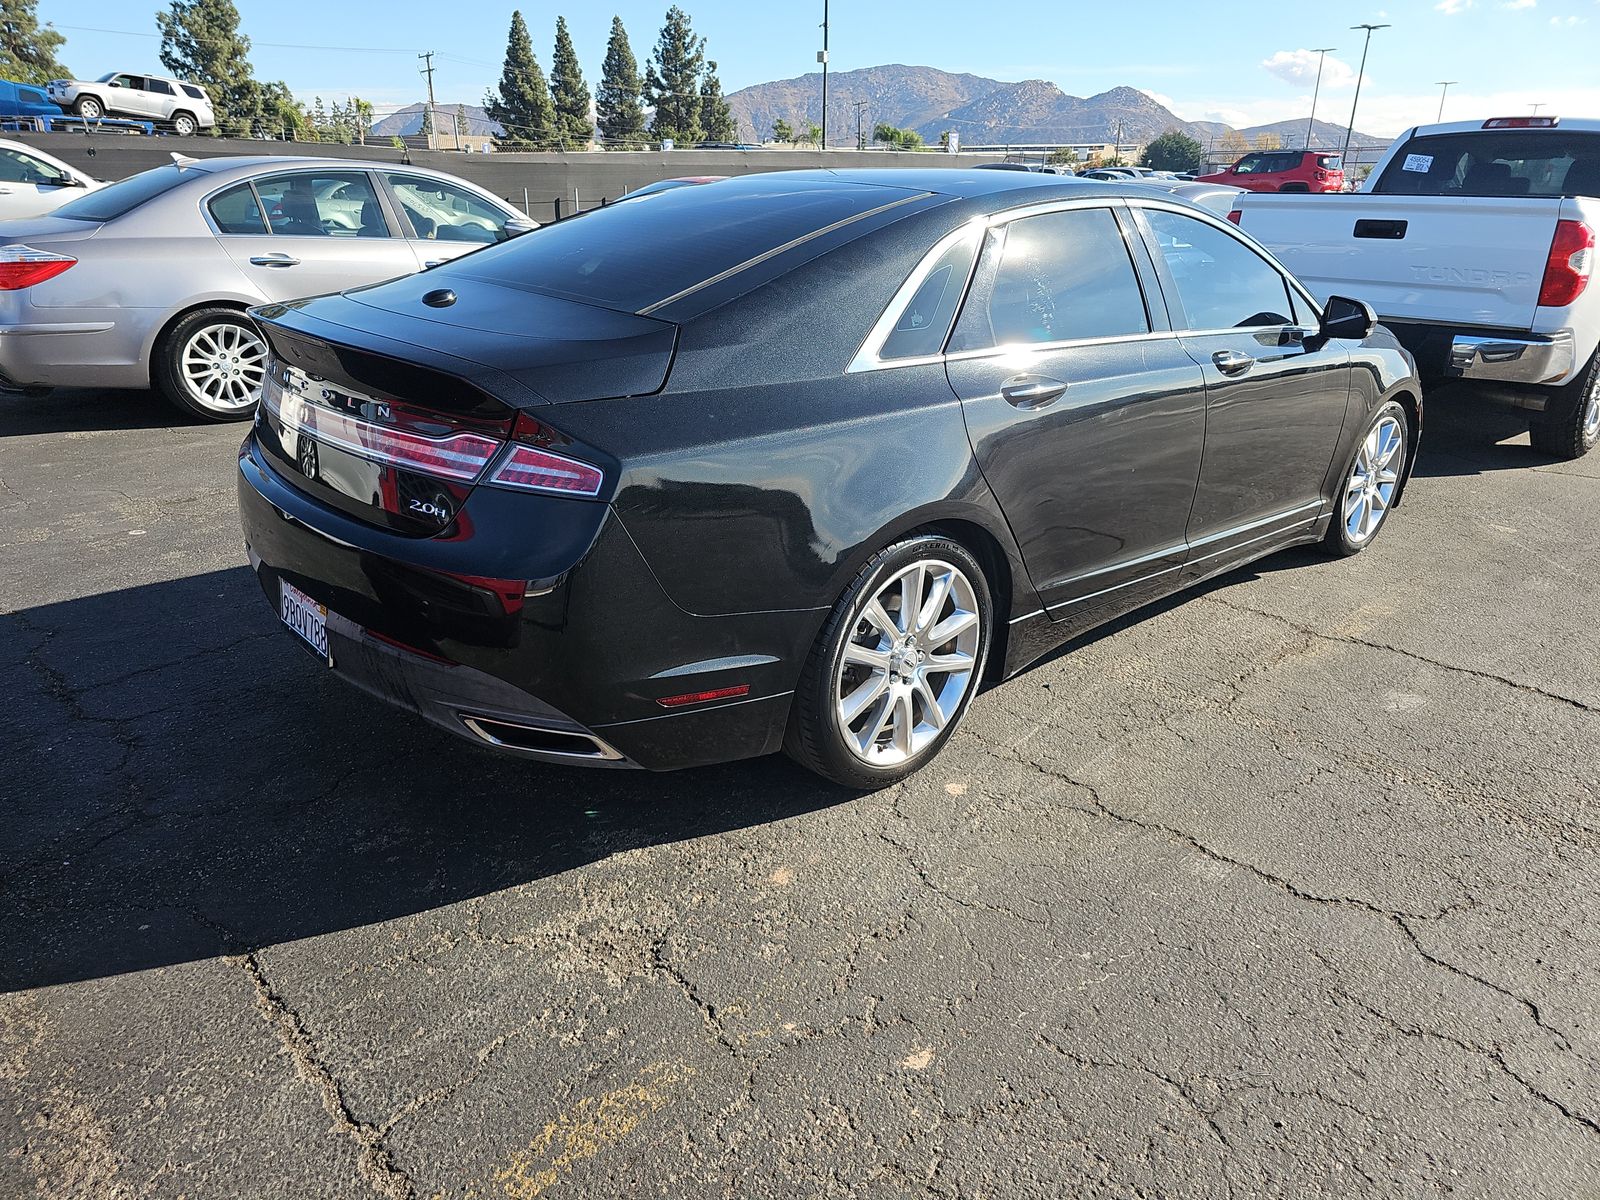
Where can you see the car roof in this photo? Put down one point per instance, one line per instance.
(225, 164)
(966, 182)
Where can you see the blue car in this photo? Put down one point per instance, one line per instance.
(26, 100)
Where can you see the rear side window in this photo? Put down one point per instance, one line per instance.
(192, 92)
(322, 204)
(1539, 162)
(115, 199)
(921, 326)
(634, 256)
(1061, 277)
(1222, 283)
(236, 211)
(160, 86)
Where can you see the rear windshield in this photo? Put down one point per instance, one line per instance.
(1328, 162)
(1515, 162)
(115, 199)
(632, 256)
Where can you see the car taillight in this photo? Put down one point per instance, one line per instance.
(458, 456)
(1235, 216)
(537, 470)
(1571, 262)
(23, 266)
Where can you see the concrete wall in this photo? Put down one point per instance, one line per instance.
(540, 179)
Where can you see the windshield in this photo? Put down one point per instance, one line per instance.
(116, 199)
(632, 256)
(108, 78)
(1544, 162)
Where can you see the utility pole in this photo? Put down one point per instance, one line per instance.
(433, 111)
(1311, 123)
(822, 57)
(1538, 106)
(1444, 86)
(861, 128)
(1350, 129)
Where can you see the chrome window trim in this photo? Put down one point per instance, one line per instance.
(868, 356)
(334, 166)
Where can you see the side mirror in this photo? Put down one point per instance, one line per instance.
(518, 226)
(113, 83)
(1346, 318)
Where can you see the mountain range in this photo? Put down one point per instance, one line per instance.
(983, 111)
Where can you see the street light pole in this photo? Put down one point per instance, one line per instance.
(1444, 85)
(823, 59)
(1350, 129)
(1311, 123)
(1538, 106)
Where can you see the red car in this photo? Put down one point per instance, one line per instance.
(1283, 171)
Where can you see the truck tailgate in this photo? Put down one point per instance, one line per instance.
(1462, 260)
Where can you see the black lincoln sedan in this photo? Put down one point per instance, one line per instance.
(799, 460)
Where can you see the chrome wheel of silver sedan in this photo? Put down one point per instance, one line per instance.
(223, 366)
(1373, 480)
(908, 663)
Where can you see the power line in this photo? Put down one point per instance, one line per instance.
(253, 42)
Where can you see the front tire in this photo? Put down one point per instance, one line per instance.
(89, 108)
(1569, 426)
(211, 364)
(1370, 483)
(896, 665)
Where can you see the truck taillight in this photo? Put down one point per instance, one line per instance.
(23, 266)
(1236, 216)
(1571, 262)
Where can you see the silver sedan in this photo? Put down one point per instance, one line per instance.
(145, 282)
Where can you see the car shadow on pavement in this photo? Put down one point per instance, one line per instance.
(180, 781)
(1469, 431)
(72, 411)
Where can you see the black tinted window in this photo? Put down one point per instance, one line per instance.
(1222, 283)
(1515, 162)
(115, 199)
(923, 323)
(160, 86)
(29, 96)
(631, 256)
(192, 91)
(236, 211)
(1061, 276)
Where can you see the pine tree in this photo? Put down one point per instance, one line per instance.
(201, 42)
(782, 131)
(27, 51)
(569, 94)
(521, 104)
(672, 81)
(715, 118)
(618, 103)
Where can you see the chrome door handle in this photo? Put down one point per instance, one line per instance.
(274, 260)
(1032, 391)
(432, 263)
(1231, 362)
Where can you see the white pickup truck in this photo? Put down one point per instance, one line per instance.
(1474, 241)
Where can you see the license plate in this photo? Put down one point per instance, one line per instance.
(306, 617)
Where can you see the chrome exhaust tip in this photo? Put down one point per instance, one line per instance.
(538, 739)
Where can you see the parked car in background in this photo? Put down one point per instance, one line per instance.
(585, 496)
(1108, 174)
(33, 182)
(1216, 198)
(1283, 171)
(146, 281)
(1475, 242)
(184, 107)
(26, 100)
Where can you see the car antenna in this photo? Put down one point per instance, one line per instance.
(183, 160)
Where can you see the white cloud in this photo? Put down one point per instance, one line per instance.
(1299, 67)
(1566, 22)
(1451, 7)
(1514, 5)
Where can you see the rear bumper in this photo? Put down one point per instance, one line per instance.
(1488, 355)
(583, 656)
(83, 349)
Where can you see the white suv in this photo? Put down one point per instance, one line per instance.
(183, 106)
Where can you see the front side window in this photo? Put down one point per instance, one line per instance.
(443, 212)
(136, 82)
(236, 211)
(1062, 276)
(1248, 165)
(322, 204)
(1222, 283)
(17, 167)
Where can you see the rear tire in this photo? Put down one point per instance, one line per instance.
(89, 108)
(184, 125)
(1370, 482)
(1569, 426)
(896, 665)
(211, 364)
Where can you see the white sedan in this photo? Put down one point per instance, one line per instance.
(33, 183)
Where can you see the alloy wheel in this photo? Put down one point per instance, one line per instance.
(223, 366)
(89, 110)
(908, 662)
(1373, 480)
(1591, 412)
(183, 126)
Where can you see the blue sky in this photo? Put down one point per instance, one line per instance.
(1241, 63)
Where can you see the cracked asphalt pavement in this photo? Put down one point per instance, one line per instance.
(1287, 889)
